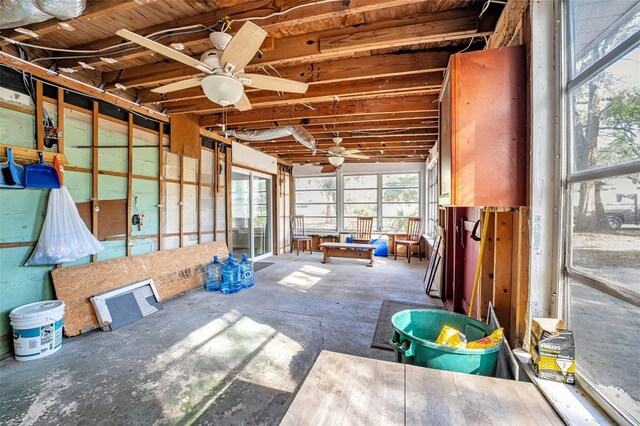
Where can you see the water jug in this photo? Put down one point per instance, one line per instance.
(214, 275)
(230, 283)
(246, 272)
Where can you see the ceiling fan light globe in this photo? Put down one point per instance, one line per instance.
(336, 161)
(221, 89)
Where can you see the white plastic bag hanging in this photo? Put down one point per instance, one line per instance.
(64, 236)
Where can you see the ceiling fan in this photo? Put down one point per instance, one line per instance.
(337, 154)
(224, 67)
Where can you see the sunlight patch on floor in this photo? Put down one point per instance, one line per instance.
(304, 278)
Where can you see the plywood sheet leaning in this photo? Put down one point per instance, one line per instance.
(173, 272)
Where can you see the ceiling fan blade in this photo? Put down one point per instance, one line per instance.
(164, 50)
(363, 157)
(350, 152)
(243, 46)
(178, 85)
(243, 104)
(266, 82)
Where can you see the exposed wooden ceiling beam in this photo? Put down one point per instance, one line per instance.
(94, 10)
(325, 72)
(374, 149)
(328, 109)
(400, 158)
(456, 24)
(298, 17)
(428, 117)
(73, 84)
(395, 86)
(378, 66)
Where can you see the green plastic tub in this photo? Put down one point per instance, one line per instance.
(415, 332)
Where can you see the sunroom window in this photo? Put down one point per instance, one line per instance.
(602, 248)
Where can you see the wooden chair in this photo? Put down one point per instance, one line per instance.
(297, 233)
(363, 230)
(414, 224)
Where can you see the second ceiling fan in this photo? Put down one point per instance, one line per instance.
(224, 66)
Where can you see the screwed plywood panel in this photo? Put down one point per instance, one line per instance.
(173, 272)
(147, 204)
(185, 135)
(112, 134)
(77, 134)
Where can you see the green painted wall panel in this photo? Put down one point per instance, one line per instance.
(77, 133)
(79, 185)
(147, 192)
(82, 261)
(142, 246)
(20, 284)
(112, 187)
(17, 128)
(22, 212)
(112, 250)
(145, 160)
(112, 159)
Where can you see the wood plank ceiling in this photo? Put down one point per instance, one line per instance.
(375, 67)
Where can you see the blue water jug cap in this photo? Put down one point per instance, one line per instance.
(215, 259)
(231, 256)
(244, 256)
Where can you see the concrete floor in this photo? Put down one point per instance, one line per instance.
(209, 358)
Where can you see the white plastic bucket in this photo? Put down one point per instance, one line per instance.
(37, 329)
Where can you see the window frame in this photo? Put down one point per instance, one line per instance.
(570, 80)
(418, 188)
(336, 204)
(343, 176)
(432, 186)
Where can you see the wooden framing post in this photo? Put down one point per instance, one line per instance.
(276, 211)
(39, 116)
(488, 262)
(520, 274)
(502, 267)
(181, 201)
(60, 120)
(160, 185)
(129, 181)
(199, 195)
(216, 188)
(94, 173)
(227, 189)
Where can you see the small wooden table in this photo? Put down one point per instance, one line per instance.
(345, 389)
(348, 250)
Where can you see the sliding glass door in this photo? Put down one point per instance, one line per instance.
(251, 214)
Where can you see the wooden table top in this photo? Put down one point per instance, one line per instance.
(349, 245)
(345, 389)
